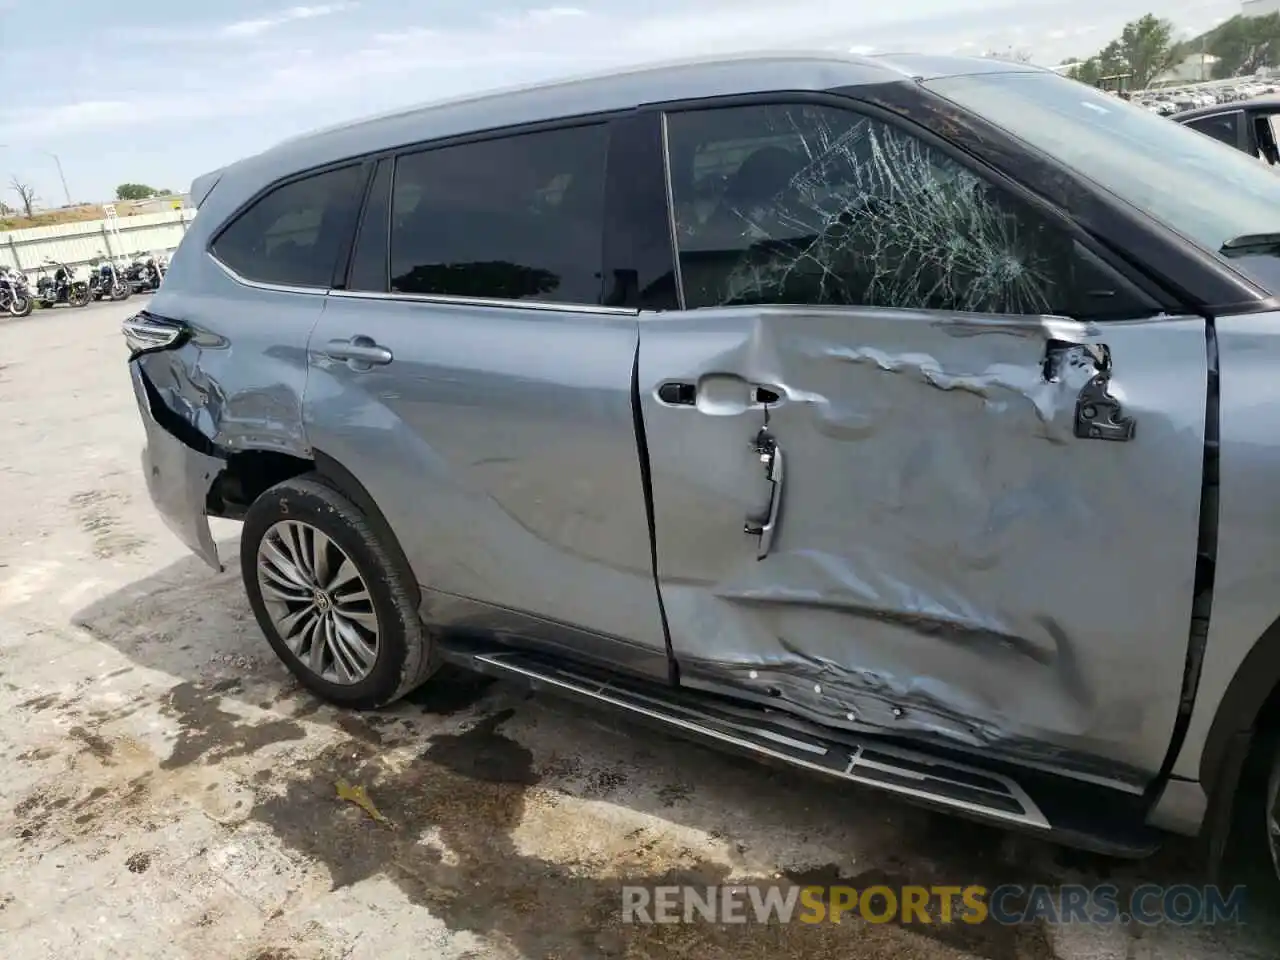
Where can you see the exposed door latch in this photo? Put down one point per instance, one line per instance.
(766, 445)
(1098, 415)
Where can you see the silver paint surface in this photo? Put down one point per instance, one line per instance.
(1245, 598)
(241, 377)
(178, 479)
(500, 446)
(951, 561)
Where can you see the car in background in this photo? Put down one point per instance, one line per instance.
(1251, 126)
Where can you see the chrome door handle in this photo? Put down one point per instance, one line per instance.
(358, 350)
(771, 457)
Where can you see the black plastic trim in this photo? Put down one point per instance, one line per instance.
(639, 261)
(382, 179)
(346, 247)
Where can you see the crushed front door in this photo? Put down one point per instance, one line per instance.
(974, 526)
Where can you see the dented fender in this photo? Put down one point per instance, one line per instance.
(178, 475)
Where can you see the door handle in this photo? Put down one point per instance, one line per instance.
(678, 393)
(360, 352)
(771, 457)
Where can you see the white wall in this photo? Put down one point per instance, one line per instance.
(78, 243)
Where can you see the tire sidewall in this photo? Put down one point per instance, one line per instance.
(399, 629)
(1269, 798)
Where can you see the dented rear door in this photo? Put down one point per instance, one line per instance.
(977, 526)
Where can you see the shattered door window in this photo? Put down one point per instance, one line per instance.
(803, 204)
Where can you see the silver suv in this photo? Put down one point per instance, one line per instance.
(914, 421)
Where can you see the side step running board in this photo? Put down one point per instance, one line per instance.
(916, 776)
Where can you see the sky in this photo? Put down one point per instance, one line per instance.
(161, 91)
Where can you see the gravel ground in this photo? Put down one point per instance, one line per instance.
(168, 791)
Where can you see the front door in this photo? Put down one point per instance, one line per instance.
(902, 482)
(472, 382)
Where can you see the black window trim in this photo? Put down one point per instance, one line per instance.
(848, 100)
(346, 259)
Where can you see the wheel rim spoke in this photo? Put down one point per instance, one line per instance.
(319, 602)
(362, 652)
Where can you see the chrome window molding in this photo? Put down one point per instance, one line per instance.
(545, 306)
(261, 285)
(671, 213)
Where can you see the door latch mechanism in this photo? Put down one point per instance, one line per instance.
(766, 445)
(1098, 415)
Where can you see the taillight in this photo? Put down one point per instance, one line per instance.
(146, 333)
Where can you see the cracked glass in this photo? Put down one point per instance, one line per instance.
(808, 204)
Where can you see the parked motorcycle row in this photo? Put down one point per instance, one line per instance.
(58, 283)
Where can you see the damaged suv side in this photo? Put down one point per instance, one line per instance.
(907, 420)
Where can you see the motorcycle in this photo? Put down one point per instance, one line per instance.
(65, 286)
(15, 295)
(146, 271)
(106, 280)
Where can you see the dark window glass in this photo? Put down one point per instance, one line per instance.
(1222, 127)
(369, 258)
(293, 235)
(518, 218)
(805, 204)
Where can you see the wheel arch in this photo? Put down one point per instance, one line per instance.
(1252, 695)
(1250, 703)
(332, 472)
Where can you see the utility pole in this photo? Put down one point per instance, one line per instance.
(61, 175)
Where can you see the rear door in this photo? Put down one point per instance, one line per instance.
(470, 378)
(904, 479)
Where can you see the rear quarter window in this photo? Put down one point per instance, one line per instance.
(292, 235)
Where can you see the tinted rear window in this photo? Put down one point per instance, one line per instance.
(513, 218)
(292, 235)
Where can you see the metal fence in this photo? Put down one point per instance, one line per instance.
(76, 244)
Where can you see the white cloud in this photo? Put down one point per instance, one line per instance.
(359, 66)
(254, 27)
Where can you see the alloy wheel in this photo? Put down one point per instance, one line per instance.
(318, 601)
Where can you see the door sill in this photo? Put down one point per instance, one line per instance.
(1067, 812)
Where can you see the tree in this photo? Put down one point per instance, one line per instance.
(1240, 45)
(1146, 46)
(26, 195)
(1086, 71)
(134, 191)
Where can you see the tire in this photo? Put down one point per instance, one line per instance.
(78, 296)
(404, 656)
(1271, 812)
(21, 306)
(121, 291)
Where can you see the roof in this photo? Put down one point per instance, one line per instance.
(617, 90)
(1269, 104)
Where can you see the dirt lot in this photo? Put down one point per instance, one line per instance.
(169, 792)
